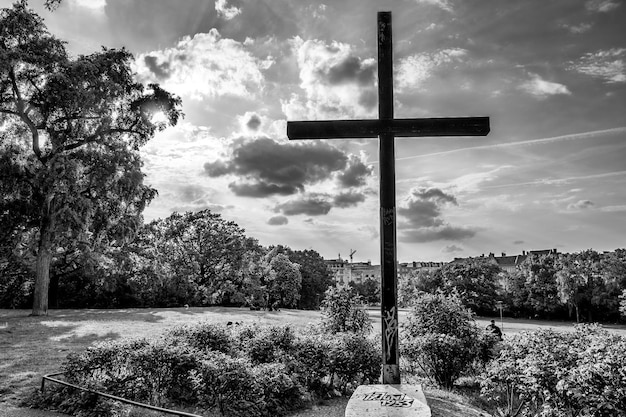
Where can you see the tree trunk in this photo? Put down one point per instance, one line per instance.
(42, 268)
(42, 282)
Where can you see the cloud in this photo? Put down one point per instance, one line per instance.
(199, 205)
(601, 6)
(144, 25)
(580, 205)
(443, 4)
(311, 205)
(422, 212)
(613, 209)
(348, 199)
(607, 65)
(541, 88)
(519, 242)
(578, 29)
(415, 69)
(278, 220)
(224, 11)
(355, 174)
(191, 192)
(205, 65)
(574, 136)
(423, 207)
(261, 189)
(350, 70)
(335, 81)
(451, 249)
(270, 167)
(254, 122)
(431, 234)
(161, 71)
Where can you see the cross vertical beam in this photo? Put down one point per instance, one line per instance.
(387, 190)
(386, 128)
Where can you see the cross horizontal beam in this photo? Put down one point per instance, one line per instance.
(342, 129)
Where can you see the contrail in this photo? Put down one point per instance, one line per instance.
(573, 136)
(559, 180)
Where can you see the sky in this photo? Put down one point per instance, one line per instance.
(550, 74)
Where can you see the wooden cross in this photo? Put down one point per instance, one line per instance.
(386, 128)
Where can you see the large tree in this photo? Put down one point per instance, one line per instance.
(474, 280)
(207, 250)
(72, 132)
(316, 277)
(537, 276)
(577, 276)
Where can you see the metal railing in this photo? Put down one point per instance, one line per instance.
(50, 378)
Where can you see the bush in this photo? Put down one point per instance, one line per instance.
(440, 338)
(354, 359)
(311, 362)
(266, 344)
(281, 390)
(342, 311)
(552, 373)
(203, 336)
(228, 384)
(245, 371)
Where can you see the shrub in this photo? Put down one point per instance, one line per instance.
(103, 366)
(228, 383)
(262, 371)
(440, 338)
(280, 389)
(597, 386)
(161, 373)
(342, 311)
(266, 344)
(354, 359)
(311, 361)
(202, 336)
(552, 373)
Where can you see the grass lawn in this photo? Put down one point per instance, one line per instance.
(33, 346)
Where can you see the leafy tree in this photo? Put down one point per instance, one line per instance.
(613, 276)
(575, 278)
(428, 281)
(206, 251)
(440, 337)
(474, 280)
(342, 311)
(316, 278)
(368, 290)
(538, 273)
(284, 282)
(75, 127)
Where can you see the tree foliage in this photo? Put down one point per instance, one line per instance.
(316, 277)
(474, 280)
(343, 311)
(368, 290)
(552, 374)
(440, 337)
(70, 141)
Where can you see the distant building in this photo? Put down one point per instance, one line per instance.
(345, 272)
(417, 266)
(340, 270)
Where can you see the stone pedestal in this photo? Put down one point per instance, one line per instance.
(388, 401)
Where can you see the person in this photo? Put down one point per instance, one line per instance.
(494, 330)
